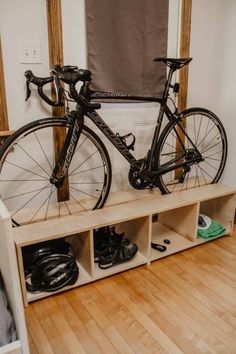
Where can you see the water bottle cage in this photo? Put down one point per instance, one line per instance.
(126, 136)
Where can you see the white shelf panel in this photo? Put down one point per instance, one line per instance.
(177, 242)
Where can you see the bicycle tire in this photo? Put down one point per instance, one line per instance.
(214, 143)
(27, 163)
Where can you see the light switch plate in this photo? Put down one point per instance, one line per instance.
(29, 52)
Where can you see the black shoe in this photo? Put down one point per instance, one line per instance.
(102, 242)
(119, 254)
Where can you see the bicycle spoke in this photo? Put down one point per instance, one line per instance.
(210, 165)
(187, 179)
(184, 182)
(199, 130)
(90, 169)
(202, 169)
(84, 162)
(207, 133)
(22, 194)
(41, 206)
(23, 180)
(196, 179)
(81, 144)
(59, 209)
(212, 147)
(43, 151)
(202, 174)
(79, 190)
(216, 153)
(206, 146)
(67, 208)
(25, 169)
(173, 184)
(172, 153)
(32, 159)
(78, 203)
(171, 146)
(29, 200)
(194, 120)
(211, 158)
(85, 182)
(49, 202)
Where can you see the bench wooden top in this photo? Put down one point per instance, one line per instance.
(147, 204)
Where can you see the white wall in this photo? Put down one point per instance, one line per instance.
(211, 80)
(212, 72)
(22, 20)
(27, 20)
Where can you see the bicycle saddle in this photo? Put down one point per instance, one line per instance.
(173, 62)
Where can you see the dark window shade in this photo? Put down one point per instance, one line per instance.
(123, 38)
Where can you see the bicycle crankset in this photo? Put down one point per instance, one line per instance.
(138, 177)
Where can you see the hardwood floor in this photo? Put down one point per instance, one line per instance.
(185, 303)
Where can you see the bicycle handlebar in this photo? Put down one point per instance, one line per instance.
(40, 82)
(68, 74)
(71, 75)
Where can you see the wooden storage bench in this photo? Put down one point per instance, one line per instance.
(151, 217)
(10, 274)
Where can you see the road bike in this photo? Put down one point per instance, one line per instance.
(39, 181)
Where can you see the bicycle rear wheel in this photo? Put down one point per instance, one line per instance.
(206, 132)
(27, 161)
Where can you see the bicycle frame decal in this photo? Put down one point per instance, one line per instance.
(117, 96)
(63, 163)
(70, 150)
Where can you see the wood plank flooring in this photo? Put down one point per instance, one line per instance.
(185, 303)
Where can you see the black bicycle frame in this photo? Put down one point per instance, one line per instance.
(84, 101)
(115, 138)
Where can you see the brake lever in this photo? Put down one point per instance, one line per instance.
(28, 90)
(58, 91)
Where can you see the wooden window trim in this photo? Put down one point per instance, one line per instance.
(4, 126)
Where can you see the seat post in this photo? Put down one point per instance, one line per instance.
(168, 82)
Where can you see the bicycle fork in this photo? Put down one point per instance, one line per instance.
(76, 120)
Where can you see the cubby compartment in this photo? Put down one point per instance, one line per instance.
(136, 231)
(221, 210)
(81, 247)
(178, 226)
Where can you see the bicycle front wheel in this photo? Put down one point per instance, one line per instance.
(27, 160)
(204, 131)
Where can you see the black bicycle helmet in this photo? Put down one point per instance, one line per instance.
(53, 272)
(33, 253)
